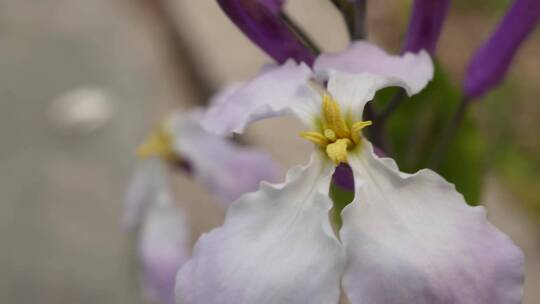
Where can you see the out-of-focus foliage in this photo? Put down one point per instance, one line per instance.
(416, 130)
(513, 149)
(482, 5)
(341, 198)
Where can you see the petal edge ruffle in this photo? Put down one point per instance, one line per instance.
(411, 238)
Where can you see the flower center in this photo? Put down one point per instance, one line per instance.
(336, 136)
(158, 144)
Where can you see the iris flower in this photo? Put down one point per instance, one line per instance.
(405, 238)
(225, 169)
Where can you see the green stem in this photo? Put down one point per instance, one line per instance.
(354, 14)
(448, 135)
(392, 106)
(300, 33)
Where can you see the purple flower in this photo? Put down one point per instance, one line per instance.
(260, 20)
(491, 61)
(427, 18)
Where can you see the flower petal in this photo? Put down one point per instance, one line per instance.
(411, 238)
(413, 71)
(141, 190)
(267, 94)
(226, 169)
(276, 246)
(353, 91)
(163, 248)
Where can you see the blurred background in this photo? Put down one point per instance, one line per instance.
(82, 82)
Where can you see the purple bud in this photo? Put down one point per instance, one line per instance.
(343, 177)
(260, 20)
(425, 26)
(273, 5)
(489, 64)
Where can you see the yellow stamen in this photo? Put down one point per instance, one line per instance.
(315, 137)
(357, 127)
(333, 117)
(331, 135)
(158, 144)
(337, 151)
(335, 136)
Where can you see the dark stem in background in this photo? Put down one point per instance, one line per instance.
(354, 13)
(441, 149)
(182, 57)
(375, 131)
(300, 33)
(391, 107)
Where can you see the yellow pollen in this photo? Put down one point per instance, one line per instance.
(158, 144)
(336, 136)
(331, 135)
(337, 151)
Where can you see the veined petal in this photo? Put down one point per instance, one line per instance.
(163, 248)
(411, 238)
(276, 246)
(148, 179)
(226, 169)
(268, 94)
(412, 71)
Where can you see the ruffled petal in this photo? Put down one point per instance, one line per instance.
(163, 248)
(276, 246)
(353, 91)
(414, 71)
(411, 238)
(268, 94)
(142, 188)
(226, 169)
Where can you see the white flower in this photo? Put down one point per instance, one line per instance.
(406, 238)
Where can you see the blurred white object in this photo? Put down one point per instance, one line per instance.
(81, 110)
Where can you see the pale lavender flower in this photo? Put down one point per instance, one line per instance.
(225, 169)
(491, 61)
(163, 231)
(283, 82)
(405, 237)
(163, 246)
